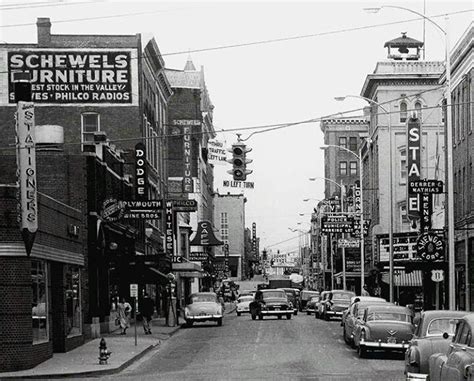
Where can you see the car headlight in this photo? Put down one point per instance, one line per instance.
(186, 311)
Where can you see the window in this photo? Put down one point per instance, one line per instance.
(403, 112)
(224, 234)
(418, 110)
(404, 221)
(343, 168)
(403, 166)
(90, 123)
(73, 301)
(353, 168)
(224, 220)
(343, 141)
(353, 143)
(39, 302)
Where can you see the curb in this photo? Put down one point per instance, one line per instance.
(93, 373)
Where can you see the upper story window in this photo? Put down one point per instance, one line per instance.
(404, 221)
(90, 123)
(353, 168)
(418, 109)
(343, 141)
(403, 112)
(343, 168)
(403, 166)
(353, 143)
(224, 220)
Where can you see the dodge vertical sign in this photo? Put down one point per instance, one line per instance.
(140, 172)
(69, 76)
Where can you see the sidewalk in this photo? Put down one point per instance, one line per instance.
(84, 360)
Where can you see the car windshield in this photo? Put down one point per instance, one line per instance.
(245, 299)
(314, 299)
(202, 298)
(392, 316)
(341, 295)
(439, 326)
(308, 294)
(274, 294)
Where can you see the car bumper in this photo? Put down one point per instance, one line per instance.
(203, 317)
(243, 311)
(416, 376)
(276, 312)
(334, 313)
(377, 344)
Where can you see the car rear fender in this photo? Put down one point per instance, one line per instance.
(436, 363)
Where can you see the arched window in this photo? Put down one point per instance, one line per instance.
(418, 109)
(403, 112)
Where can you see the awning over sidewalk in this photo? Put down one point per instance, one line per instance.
(403, 279)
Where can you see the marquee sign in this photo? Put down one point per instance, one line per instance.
(404, 247)
(73, 76)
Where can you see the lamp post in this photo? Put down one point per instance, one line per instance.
(390, 208)
(449, 143)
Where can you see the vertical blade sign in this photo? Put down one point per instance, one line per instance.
(414, 165)
(141, 191)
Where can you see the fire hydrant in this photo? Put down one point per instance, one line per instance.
(104, 354)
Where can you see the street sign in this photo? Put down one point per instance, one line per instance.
(134, 290)
(425, 186)
(437, 275)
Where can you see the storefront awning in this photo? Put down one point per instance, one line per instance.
(186, 266)
(403, 279)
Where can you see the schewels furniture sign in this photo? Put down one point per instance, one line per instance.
(72, 76)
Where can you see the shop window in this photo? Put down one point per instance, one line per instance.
(39, 310)
(403, 112)
(343, 168)
(343, 142)
(90, 123)
(353, 168)
(73, 301)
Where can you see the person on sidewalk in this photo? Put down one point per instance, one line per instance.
(123, 310)
(147, 309)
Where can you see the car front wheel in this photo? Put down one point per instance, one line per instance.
(288, 316)
(219, 322)
(260, 317)
(239, 313)
(362, 351)
(254, 317)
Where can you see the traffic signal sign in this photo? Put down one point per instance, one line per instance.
(239, 161)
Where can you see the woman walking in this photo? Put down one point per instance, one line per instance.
(123, 311)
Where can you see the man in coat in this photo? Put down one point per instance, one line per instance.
(147, 309)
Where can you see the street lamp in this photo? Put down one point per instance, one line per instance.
(449, 142)
(390, 208)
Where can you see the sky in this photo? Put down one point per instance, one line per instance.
(336, 45)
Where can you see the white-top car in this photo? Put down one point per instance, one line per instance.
(242, 304)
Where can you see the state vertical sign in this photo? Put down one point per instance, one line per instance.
(26, 156)
(414, 165)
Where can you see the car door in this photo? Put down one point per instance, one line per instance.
(458, 356)
(350, 320)
(359, 325)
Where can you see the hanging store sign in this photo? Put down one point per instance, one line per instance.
(188, 186)
(425, 186)
(426, 211)
(348, 243)
(414, 165)
(205, 235)
(430, 247)
(68, 76)
(113, 210)
(141, 191)
(26, 156)
(184, 205)
(198, 256)
(169, 229)
(332, 225)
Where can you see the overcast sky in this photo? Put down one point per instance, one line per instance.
(261, 84)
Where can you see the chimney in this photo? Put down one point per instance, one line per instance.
(44, 31)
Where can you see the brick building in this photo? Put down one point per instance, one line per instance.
(105, 96)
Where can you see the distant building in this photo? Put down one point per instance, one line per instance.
(229, 216)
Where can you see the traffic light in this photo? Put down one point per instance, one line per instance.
(239, 161)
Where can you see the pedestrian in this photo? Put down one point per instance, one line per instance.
(123, 311)
(365, 292)
(147, 309)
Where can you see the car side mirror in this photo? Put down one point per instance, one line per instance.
(445, 335)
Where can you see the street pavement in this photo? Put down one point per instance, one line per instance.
(303, 348)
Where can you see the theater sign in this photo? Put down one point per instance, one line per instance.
(74, 76)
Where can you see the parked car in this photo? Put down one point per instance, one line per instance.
(335, 303)
(247, 293)
(291, 295)
(312, 305)
(458, 362)
(203, 306)
(355, 313)
(384, 326)
(357, 299)
(305, 296)
(275, 303)
(243, 304)
(433, 334)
